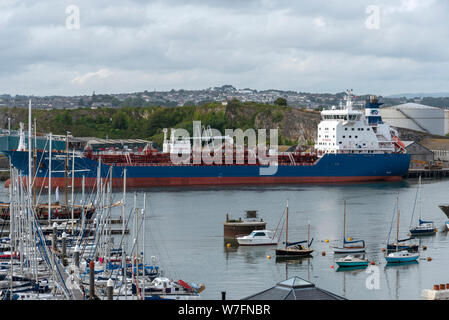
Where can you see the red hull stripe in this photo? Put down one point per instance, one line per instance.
(217, 181)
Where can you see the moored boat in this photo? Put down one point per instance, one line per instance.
(258, 238)
(401, 256)
(349, 245)
(352, 146)
(294, 249)
(424, 228)
(351, 261)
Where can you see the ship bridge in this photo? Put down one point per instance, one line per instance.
(347, 130)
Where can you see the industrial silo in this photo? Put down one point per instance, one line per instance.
(416, 117)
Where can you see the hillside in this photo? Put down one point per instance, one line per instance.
(148, 122)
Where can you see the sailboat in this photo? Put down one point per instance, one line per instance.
(294, 249)
(348, 245)
(400, 243)
(400, 255)
(424, 227)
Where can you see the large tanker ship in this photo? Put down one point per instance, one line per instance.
(351, 146)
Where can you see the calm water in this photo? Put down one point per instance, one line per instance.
(185, 231)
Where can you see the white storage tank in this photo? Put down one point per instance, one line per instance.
(417, 117)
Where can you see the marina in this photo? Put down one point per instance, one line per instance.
(242, 271)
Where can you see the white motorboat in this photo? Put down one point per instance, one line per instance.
(258, 238)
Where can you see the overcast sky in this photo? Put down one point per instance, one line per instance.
(136, 45)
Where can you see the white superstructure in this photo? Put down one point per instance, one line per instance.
(347, 130)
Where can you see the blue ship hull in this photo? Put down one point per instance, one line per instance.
(330, 168)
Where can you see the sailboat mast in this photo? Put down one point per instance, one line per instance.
(65, 169)
(308, 235)
(286, 229)
(397, 227)
(34, 161)
(344, 224)
(73, 187)
(29, 148)
(49, 180)
(420, 201)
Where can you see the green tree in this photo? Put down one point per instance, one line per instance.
(120, 120)
(280, 101)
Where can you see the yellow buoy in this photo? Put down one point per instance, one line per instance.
(268, 257)
(228, 245)
(326, 240)
(349, 239)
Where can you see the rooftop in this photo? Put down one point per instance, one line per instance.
(294, 288)
(435, 143)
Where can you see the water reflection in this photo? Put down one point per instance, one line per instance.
(404, 265)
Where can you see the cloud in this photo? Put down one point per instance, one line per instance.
(100, 74)
(133, 45)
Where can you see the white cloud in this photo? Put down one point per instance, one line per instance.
(98, 75)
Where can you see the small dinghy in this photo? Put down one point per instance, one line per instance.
(351, 261)
(258, 238)
(401, 256)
